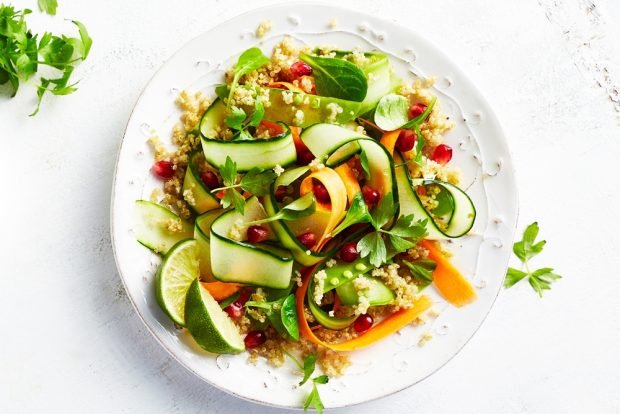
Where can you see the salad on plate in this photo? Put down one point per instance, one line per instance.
(303, 206)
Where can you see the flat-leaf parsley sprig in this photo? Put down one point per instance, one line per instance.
(314, 399)
(525, 249)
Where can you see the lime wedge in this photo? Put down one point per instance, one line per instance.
(210, 326)
(176, 273)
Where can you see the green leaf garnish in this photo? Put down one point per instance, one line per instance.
(419, 120)
(235, 118)
(364, 163)
(337, 78)
(282, 314)
(249, 61)
(257, 181)
(525, 249)
(222, 92)
(422, 271)
(259, 113)
(373, 245)
(48, 6)
(357, 213)
(314, 399)
(302, 207)
(309, 366)
(392, 112)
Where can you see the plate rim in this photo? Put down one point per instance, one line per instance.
(340, 9)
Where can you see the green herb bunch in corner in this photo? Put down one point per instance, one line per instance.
(22, 53)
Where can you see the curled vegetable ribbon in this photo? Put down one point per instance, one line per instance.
(338, 200)
(349, 179)
(386, 327)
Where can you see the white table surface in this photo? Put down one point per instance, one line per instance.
(70, 340)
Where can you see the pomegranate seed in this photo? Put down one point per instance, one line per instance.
(305, 157)
(320, 192)
(307, 239)
(280, 193)
(348, 252)
(371, 196)
(406, 140)
(416, 110)
(442, 154)
(257, 234)
(299, 69)
(254, 339)
(363, 323)
(210, 179)
(234, 310)
(163, 169)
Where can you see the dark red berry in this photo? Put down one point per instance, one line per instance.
(280, 193)
(363, 323)
(299, 69)
(348, 252)
(257, 234)
(163, 169)
(371, 196)
(406, 140)
(320, 192)
(305, 157)
(254, 339)
(307, 239)
(210, 179)
(234, 310)
(416, 110)
(442, 154)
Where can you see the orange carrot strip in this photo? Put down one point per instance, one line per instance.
(447, 279)
(386, 327)
(221, 290)
(388, 140)
(349, 179)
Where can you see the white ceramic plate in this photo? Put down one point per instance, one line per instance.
(479, 149)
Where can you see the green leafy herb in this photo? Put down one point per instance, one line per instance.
(48, 6)
(314, 399)
(422, 271)
(357, 213)
(337, 78)
(222, 92)
(392, 112)
(302, 207)
(373, 245)
(249, 61)
(364, 163)
(419, 120)
(235, 118)
(526, 249)
(259, 112)
(254, 181)
(309, 366)
(282, 314)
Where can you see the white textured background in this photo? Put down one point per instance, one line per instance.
(71, 342)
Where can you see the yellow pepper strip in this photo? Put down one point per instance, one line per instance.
(338, 199)
(349, 179)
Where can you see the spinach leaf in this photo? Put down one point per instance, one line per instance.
(289, 317)
(337, 78)
(392, 112)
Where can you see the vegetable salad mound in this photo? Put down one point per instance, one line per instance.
(316, 185)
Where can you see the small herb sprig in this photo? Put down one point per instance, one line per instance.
(255, 181)
(48, 6)
(314, 399)
(302, 207)
(22, 52)
(525, 249)
(402, 236)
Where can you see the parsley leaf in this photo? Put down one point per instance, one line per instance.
(309, 366)
(357, 213)
(525, 249)
(257, 181)
(48, 6)
(384, 211)
(302, 207)
(229, 172)
(235, 118)
(373, 245)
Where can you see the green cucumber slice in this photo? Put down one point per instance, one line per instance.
(242, 262)
(378, 293)
(202, 231)
(158, 228)
(462, 218)
(194, 191)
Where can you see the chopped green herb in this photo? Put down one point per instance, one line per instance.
(526, 249)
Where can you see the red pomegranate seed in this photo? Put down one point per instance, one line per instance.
(416, 110)
(254, 339)
(371, 196)
(280, 193)
(210, 179)
(363, 323)
(305, 157)
(299, 69)
(234, 310)
(406, 140)
(320, 192)
(307, 239)
(257, 234)
(442, 154)
(163, 169)
(348, 252)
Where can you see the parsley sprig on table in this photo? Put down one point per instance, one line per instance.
(255, 181)
(22, 53)
(525, 249)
